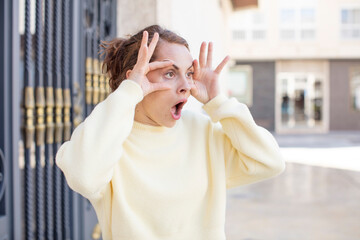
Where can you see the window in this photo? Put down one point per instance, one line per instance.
(350, 16)
(307, 15)
(287, 34)
(259, 34)
(297, 23)
(258, 18)
(307, 34)
(355, 89)
(240, 83)
(249, 25)
(287, 16)
(350, 23)
(239, 35)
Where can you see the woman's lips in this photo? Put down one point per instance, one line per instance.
(176, 109)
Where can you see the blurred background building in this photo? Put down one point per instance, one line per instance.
(296, 64)
(299, 62)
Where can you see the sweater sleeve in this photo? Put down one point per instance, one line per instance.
(95, 146)
(249, 151)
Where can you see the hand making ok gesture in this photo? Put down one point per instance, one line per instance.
(142, 66)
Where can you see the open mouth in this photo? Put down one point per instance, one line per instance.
(176, 109)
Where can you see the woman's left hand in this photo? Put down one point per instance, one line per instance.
(206, 80)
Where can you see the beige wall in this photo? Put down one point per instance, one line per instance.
(327, 43)
(133, 15)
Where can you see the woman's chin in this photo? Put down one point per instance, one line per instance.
(169, 123)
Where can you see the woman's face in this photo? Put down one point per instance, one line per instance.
(163, 108)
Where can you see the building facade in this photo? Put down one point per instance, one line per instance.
(300, 61)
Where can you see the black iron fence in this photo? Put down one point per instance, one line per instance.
(50, 80)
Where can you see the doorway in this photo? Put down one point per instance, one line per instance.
(301, 102)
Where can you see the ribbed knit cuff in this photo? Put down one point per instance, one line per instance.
(132, 89)
(213, 106)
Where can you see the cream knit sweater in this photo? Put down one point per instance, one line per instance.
(152, 183)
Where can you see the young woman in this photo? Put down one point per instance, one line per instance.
(150, 170)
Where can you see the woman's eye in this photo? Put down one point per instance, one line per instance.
(169, 75)
(189, 74)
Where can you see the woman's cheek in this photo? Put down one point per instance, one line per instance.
(169, 80)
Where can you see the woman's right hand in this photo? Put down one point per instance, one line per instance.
(143, 67)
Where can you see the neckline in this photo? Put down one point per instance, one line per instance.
(141, 127)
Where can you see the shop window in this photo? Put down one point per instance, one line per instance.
(301, 98)
(240, 83)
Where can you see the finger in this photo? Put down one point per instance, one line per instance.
(209, 55)
(144, 39)
(160, 64)
(161, 86)
(222, 65)
(202, 54)
(143, 48)
(196, 69)
(152, 45)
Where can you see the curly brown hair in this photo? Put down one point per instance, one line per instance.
(121, 53)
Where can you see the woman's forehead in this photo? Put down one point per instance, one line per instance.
(175, 52)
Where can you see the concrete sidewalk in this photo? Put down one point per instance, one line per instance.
(336, 149)
(328, 140)
(304, 203)
(314, 199)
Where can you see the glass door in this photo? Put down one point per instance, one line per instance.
(300, 100)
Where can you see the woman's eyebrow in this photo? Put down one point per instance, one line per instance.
(177, 68)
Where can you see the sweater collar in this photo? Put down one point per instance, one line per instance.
(140, 127)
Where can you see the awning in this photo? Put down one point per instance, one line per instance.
(239, 4)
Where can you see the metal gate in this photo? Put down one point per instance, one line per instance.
(50, 80)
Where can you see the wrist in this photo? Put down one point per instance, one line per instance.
(139, 84)
(212, 96)
(132, 88)
(213, 106)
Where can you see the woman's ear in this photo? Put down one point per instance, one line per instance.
(128, 74)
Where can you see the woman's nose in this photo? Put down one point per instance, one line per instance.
(184, 86)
